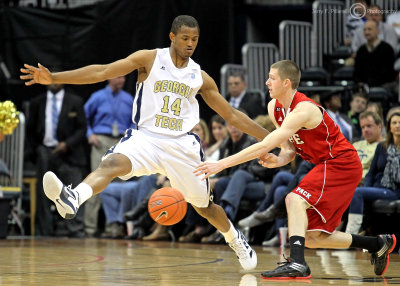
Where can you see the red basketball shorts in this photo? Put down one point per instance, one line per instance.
(329, 188)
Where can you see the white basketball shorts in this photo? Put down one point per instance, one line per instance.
(173, 156)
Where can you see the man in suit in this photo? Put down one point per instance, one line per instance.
(56, 130)
(239, 97)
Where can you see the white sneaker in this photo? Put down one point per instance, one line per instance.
(65, 199)
(250, 221)
(246, 255)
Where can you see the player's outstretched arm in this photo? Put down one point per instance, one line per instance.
(298, 118)
(89, 74)
(209, 92)
(260, 149)
(287, 153)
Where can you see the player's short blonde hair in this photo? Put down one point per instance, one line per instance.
(288, 69)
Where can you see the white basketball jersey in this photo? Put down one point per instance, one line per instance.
(165, 102)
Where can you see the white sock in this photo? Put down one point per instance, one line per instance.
(354, 223)
(85, 192)
(231, 234)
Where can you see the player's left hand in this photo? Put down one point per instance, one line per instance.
(208, 168)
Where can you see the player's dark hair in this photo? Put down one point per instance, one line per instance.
(184, 20)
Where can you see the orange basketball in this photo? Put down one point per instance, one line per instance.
(167, 206)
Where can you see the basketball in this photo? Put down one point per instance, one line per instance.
(167, 206)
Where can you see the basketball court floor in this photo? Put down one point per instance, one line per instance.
(125, 262)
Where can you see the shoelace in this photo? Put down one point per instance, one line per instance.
(69, 188)
(239, 249)
(284, 262)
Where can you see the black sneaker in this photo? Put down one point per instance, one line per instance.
(380, 259)
(288, 270)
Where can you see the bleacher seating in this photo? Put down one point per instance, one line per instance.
(343, 76)
(386, 215)
(295, 42)
(257, 58)
(327, 42)
(381, 95)
(315, 76)
(12, 153)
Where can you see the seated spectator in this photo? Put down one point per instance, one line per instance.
(385, 31)
(120, 197)
(246, 183)
(219, 134)
(332, 103)
(383, 178)
(143, 226)
(371, 125)
(391, 111)
(374, 61)
(393, 20)
(358, 104)
(236, 141)
(352, 23)
(316, 97)
(375, 107)
(202, 130)
(239, 97)
(192, 218)
(260, 216)
(274, 202)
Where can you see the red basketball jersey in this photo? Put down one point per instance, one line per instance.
(319, 144)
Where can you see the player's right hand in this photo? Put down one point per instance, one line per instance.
(33, 75)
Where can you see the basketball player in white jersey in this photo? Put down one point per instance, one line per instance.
(165, 110)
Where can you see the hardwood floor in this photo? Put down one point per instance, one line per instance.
(123, 262)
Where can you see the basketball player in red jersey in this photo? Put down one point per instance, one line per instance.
(315, 207)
